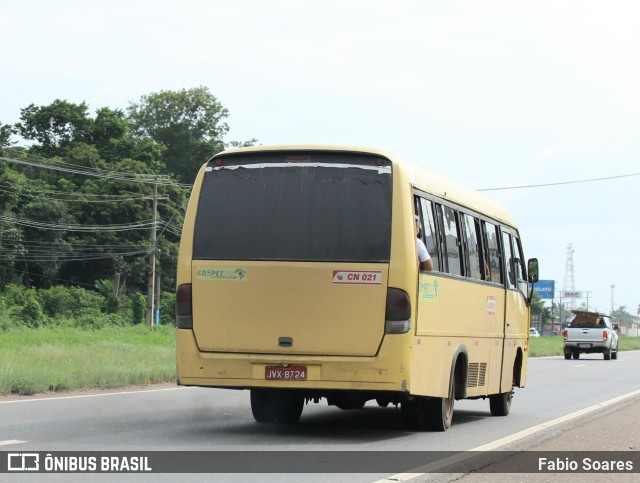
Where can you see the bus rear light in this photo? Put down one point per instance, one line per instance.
(184, 311)
(398, 312)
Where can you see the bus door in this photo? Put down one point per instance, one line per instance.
(516, 310)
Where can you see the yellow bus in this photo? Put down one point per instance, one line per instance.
(298, 279)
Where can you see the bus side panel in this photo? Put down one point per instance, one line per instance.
(447, 321)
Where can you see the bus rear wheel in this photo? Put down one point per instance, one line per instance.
(440, 409)
(440, 413)
(432, 414)
(276, 406)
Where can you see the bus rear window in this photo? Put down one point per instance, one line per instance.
(308, 207)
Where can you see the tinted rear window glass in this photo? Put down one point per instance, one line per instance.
(303, 207)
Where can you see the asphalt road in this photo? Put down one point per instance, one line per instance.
(589, 405)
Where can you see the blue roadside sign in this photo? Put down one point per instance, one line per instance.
(545, 288)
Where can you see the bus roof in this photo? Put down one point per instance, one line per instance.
(421, 177)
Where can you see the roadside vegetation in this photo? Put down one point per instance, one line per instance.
(65, 358)
(552, 346)
(67, 338)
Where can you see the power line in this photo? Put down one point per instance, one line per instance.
(165, 180)
(561, 183)
(172, 203)
(48, 245)
(74, 257)
(51, 195)
(115, 175)
(81, 228)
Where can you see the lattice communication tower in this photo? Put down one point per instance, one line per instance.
(569, 284)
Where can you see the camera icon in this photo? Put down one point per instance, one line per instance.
(23, 462)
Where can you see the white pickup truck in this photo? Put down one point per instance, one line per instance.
(590, 332)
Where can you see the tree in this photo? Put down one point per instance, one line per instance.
(115, 140)
(539, 311)
(109, 164)
(622, 315)
(189, 123)
(41, 250)
(6, 130)
(56, 126)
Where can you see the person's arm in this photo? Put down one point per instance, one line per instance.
(427, 265)
(424, 260)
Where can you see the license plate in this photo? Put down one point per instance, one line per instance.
(290, 373)
(585, 346)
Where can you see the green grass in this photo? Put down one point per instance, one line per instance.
(58, 359)
(61, 359)
(552, 346)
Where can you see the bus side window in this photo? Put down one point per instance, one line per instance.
(521, 271)
(508, 257)
(452, 243)
(490, 232)
(472, 252)
(429, 236)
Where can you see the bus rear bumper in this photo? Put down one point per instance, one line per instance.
(237, 370)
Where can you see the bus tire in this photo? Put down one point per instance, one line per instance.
(440, 409)
(276, 406)
(500, 404)
(440, 413)
(414, 414)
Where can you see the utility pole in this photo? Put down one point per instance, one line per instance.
(560, 314)
(151, 275)
(153, 281)
(157, 312)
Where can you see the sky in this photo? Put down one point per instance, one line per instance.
(494, 94)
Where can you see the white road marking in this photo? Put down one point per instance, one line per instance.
(18, 441)
(11, 441)
(433, 467)
(79, 396)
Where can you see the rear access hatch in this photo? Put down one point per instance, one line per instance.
(291, 253)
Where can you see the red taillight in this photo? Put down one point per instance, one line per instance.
(605, 335)
(398, 312)
(565, 334)
(184, 315)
